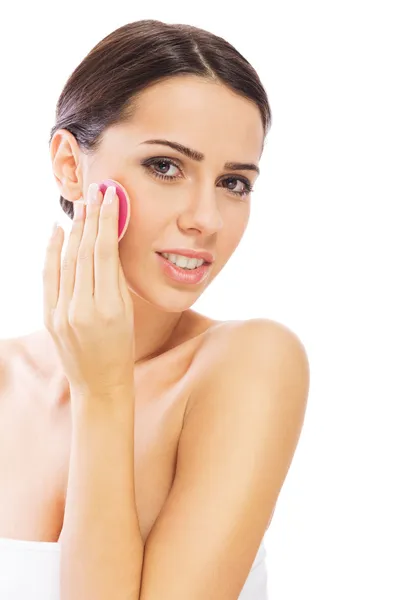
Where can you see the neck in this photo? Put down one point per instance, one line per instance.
(155, 330)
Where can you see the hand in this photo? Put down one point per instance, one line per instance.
(88, 309)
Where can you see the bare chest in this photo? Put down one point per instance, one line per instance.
(35, 449)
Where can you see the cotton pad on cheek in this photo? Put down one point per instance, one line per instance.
(124, 204)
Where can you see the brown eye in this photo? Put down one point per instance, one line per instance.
(153, 166)
(244, 191)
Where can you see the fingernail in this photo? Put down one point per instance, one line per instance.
(109, 195)
(93, 191)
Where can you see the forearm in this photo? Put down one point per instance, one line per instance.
(101, 547)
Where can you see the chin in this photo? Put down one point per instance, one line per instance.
(167, 298)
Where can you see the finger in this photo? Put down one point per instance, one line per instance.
(106, 253)
(123, 287)
(67, 276)
(84, 273)
(51, 275)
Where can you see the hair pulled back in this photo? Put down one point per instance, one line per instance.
(101, 91)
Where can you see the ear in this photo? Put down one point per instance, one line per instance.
(66, 158)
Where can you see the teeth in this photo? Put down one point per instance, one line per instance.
(183, 261)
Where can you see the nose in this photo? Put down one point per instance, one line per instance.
(201, 212)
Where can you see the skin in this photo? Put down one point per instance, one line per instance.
(182, 358)
(194, 211)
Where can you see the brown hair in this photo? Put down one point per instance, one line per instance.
(101, 90)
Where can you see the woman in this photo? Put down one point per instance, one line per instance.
(158, 439)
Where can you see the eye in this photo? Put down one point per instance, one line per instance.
(245, 182)
(166, 163)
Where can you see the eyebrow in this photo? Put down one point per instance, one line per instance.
(199, 156)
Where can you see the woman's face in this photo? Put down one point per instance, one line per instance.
(192, 204)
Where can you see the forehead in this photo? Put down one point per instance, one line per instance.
(200, 114)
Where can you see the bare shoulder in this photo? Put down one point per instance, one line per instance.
(258, 340)
(260, 348)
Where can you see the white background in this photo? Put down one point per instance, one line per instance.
(320, 254)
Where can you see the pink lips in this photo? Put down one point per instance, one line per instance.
(193, 276)
(207, 256)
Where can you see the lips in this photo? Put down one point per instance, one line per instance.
(206, 262)
(183, 276)
(189, 253)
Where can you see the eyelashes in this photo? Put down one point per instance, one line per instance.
(149, 165)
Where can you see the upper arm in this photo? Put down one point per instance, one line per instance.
(235, 450)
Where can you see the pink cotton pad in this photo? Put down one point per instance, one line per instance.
(124, 204)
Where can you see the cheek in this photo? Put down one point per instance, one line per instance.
(146, 226)
(231, 235)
